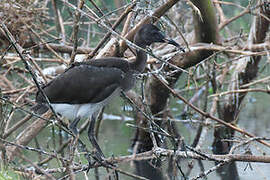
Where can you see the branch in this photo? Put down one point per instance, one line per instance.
(155, 16)
(75, 31)
(115, 25)
(241, 91)
(207, 115)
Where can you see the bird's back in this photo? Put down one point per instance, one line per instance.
(90, 82)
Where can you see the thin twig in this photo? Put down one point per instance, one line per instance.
(207, 115)
(77, 17)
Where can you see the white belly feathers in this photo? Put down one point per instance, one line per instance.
(71, 111)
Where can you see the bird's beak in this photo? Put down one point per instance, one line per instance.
(170, 41)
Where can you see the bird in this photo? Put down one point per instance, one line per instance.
(85, 87)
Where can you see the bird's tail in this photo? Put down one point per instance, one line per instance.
(40, 108)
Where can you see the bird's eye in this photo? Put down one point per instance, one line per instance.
(158, 35)
(155, 34)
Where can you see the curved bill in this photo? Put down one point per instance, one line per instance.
(170, 41)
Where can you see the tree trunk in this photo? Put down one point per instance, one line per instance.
(245, 70)
(157, 94)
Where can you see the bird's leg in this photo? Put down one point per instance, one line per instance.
(73, 126)
(75, 132)
(74, 129)
(92, 137)
(99, 156)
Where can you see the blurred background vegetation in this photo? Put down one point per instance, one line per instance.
(34, 24)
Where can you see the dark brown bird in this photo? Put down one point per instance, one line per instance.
(85, 87)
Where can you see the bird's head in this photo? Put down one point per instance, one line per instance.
(149, 34)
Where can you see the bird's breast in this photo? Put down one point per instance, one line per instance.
(128, 81)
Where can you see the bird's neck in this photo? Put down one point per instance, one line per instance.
(141, 58)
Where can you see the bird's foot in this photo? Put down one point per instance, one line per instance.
(73, 126)
(74, 130)
(99, 159)
(75, 134)
(98, 156)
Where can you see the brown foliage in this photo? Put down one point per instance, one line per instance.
(211, 79)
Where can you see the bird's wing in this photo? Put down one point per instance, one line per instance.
(106, 62)
(83, 83)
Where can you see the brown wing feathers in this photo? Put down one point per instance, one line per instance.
(71, 87)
